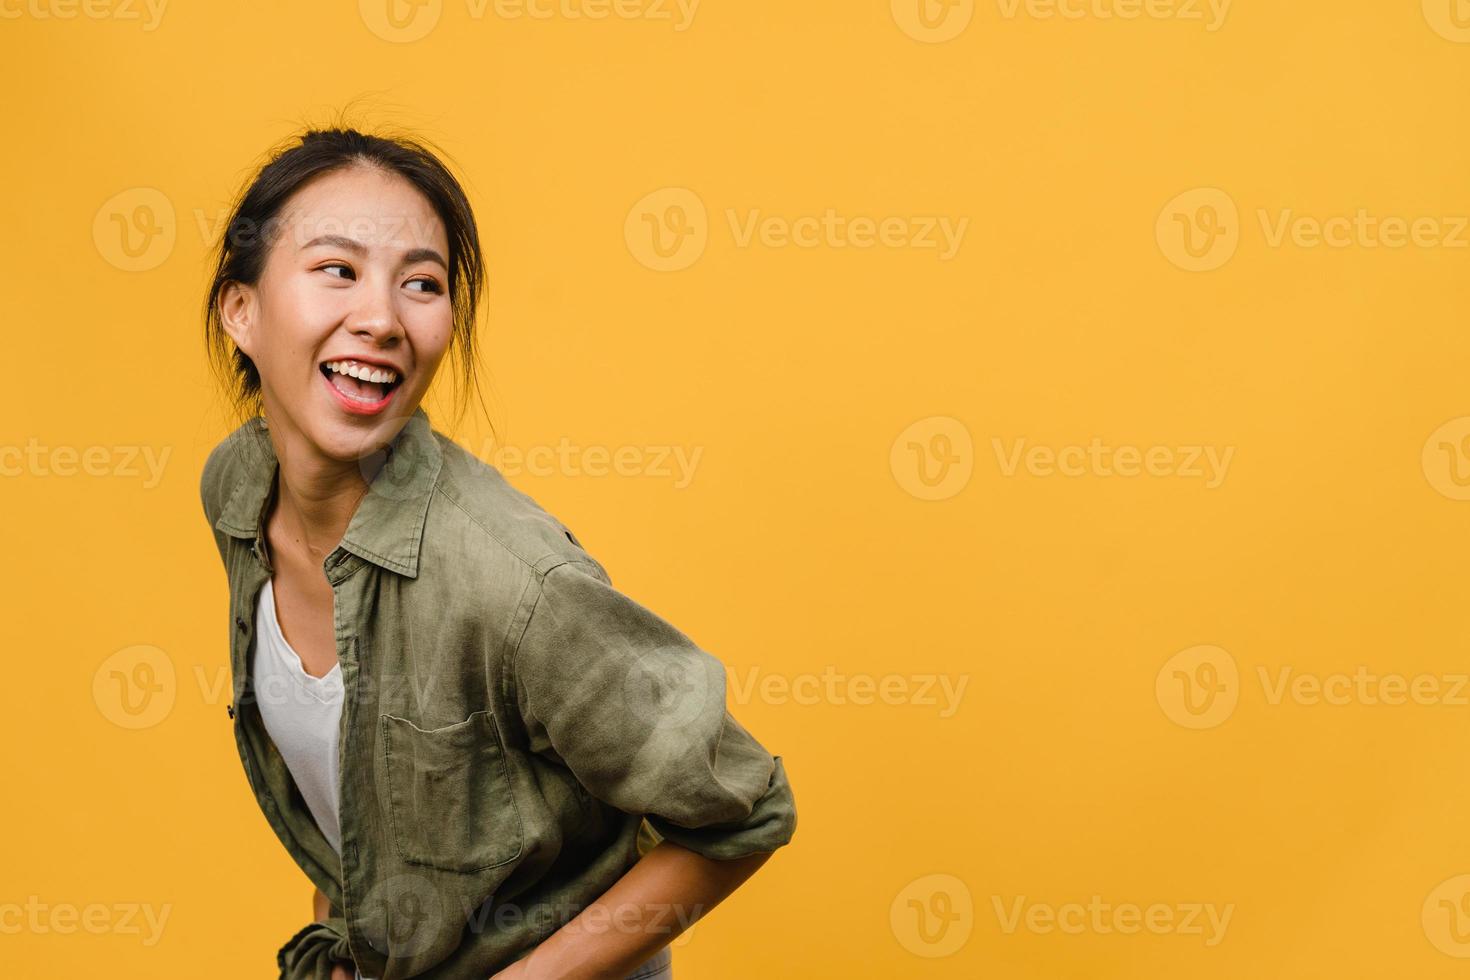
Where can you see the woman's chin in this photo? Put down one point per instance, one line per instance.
(350, 441)
(360, 443)
(343, 436)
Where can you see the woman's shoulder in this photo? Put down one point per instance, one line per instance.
(229, 458)
(480, 501)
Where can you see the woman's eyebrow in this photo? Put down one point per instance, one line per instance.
(358, 248)
(337, 241)
(423, 255)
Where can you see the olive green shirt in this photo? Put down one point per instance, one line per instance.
(515, 732)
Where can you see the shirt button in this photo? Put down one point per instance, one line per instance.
(230, 708)
(240, 622)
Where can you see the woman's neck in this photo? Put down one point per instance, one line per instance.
(315, 494)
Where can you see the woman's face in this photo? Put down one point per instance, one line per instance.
(352, 313)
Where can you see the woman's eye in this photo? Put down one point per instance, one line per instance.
(347, 269)
(429, 285)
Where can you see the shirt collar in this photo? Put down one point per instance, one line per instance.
(387, 528)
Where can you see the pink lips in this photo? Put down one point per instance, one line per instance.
(359, 407)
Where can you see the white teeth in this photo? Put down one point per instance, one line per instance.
(362, 372)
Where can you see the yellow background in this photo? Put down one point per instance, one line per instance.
(1334, 832)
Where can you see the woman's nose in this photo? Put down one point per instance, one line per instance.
(375, 319)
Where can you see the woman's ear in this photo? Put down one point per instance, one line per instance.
(237, 314)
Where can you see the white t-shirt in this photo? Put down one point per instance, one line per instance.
(302, 715)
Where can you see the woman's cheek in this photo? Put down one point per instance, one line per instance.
(433, 336)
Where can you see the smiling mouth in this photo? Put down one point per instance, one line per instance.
(366, 384)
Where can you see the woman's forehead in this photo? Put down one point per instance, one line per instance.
(377, 209)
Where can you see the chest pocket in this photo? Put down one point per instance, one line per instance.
(449, 794)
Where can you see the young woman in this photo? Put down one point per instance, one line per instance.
(488, 760)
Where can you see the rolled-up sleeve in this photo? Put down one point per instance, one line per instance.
(637, 711)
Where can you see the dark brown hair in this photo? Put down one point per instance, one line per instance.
(253, 227)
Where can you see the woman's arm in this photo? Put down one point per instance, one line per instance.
(321, 907)
(666, 892)
(636, 711)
